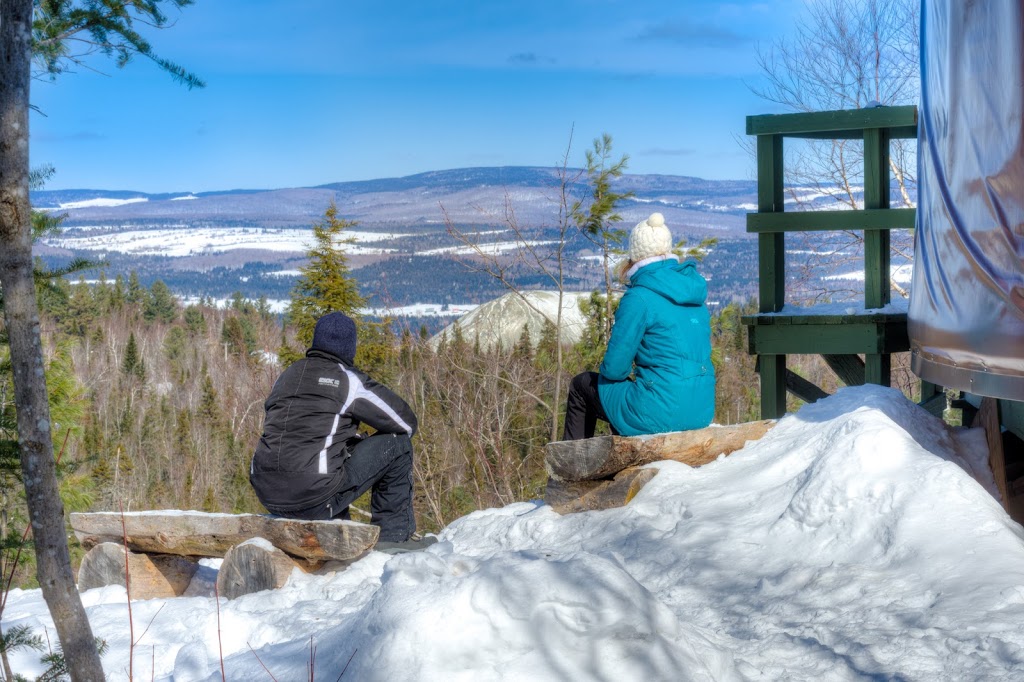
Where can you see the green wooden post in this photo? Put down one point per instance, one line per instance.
(771, 268)
(773, 386)
(877, 367)
(771, 247)
(876, 195)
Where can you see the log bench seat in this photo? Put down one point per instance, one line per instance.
(160, 550)
(604, 472)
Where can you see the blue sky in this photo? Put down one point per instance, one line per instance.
(308, 92)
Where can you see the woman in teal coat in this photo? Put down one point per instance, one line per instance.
(657, 374)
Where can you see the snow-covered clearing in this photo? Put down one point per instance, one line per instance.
(850, 543)
(197, 240)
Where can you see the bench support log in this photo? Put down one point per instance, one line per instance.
(596, 458)
(254, 566)
(152, 576)
(578, 496)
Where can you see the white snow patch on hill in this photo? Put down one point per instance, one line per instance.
(212, 239)
(100, 202)
(850, 543)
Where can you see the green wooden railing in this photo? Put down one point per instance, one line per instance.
(840, 339)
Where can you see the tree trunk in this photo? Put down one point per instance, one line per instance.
(53, 562)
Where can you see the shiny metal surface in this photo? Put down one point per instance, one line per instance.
(966, 316)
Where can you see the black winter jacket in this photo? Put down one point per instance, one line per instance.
(313, 413)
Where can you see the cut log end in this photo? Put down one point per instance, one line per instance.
(149, 576)
(254, 567)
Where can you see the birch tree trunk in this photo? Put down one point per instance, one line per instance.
(21, 317)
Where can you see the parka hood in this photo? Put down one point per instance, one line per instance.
(679, 282)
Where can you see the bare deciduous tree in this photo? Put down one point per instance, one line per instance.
(844, 54)
(546, 258)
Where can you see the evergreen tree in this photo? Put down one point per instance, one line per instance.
(160, 304)
(134, 293)
(195, 321)
(600, 220)
(326, 284)
(81, 309)
(132, 365)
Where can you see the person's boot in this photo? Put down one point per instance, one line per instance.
(413, 544)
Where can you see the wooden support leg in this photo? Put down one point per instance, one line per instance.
(933, 398)
(878, 369)
(773, 386)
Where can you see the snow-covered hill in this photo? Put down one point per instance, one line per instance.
(852, 542)
(500, 322)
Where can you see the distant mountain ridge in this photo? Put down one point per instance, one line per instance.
(473, 195)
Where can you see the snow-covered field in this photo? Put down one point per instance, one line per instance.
(853, 542)
(277, 305)
(197, 240)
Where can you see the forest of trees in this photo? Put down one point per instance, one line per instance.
(160, 406)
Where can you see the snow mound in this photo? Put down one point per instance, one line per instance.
(857, 540)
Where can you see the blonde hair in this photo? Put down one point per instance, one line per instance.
(622, 268)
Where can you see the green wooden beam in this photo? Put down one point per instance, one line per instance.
(797, 319)
(829, 123)
(802, 388)
(853, 338)
(826, 221)
(900, 133)
(849, 368)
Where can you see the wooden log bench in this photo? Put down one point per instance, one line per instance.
(159, 551)
(604, 472)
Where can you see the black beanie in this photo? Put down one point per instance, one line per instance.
(335, 333)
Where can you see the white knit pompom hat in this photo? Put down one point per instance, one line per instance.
(650, 238)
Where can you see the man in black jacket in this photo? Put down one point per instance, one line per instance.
(311, 462)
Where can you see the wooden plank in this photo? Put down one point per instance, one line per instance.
(603, 456)
(802, 388)
(830, 123)
(870, 220)
(151, 576)
(849, 368)
(193, 533)
(988, 419)
(254, 566)
(602, 494)
(801, 318)
(821, 340)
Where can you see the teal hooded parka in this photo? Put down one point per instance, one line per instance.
(662, 334)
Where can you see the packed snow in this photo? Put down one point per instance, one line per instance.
(859, 539)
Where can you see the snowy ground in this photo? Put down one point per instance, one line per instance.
(851, 543)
